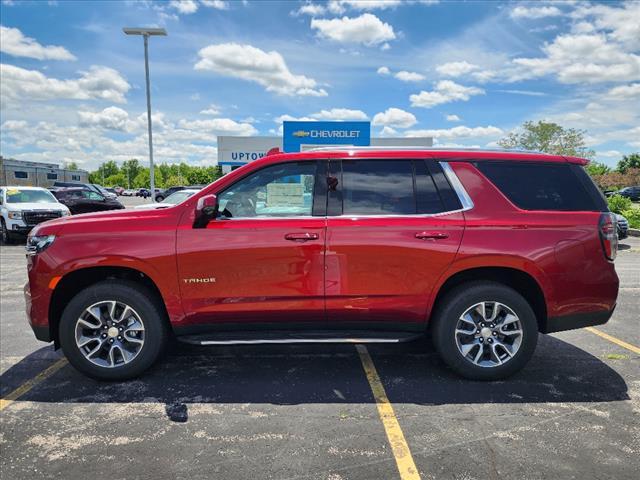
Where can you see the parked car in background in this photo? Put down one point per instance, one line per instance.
(623, 226)
(632, 193)
(171, 190)
(118, 190)
(173, 199)
(83, 200)
(146, 192)
(128, 193)
(484, 250)
(91, 186)
(22, 208)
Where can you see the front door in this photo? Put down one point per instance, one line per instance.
(389, 239)
(262, 260)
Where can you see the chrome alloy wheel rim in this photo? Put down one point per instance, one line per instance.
(109, 334)
(488, 334)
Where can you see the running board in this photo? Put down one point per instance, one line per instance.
(276, 338)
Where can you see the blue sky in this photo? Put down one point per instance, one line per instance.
(465, 73)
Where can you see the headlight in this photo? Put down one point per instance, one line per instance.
(15, 215)
(38, 243)
(66, 213)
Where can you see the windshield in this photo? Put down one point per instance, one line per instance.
(17, 195)
(177, 197)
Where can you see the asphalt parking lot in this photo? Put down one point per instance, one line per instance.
(316, 412)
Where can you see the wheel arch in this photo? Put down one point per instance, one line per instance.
(522, 282)
(77, 280)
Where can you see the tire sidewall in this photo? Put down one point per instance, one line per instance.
(138, 298)
(456, 303)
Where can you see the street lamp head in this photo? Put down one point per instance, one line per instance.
(144, 31)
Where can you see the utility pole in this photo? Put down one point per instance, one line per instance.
(146, 33)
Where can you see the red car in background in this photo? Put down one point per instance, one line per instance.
(483, 249)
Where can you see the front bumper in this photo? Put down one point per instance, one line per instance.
(574, 321)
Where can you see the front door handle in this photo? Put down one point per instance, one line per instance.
(431, 235)
(301, 237)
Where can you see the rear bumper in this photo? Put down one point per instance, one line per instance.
(578, 320)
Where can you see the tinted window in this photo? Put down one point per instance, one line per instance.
(19, 174)
(540, 186)
(284, 190)
(29, 196)
(52, 176)
(427, 197)
(378, 187)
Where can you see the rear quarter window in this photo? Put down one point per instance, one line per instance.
(544, 186)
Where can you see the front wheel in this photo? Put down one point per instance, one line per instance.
(485, 331)
(113, 330)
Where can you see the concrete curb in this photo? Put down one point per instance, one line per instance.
(634, 232)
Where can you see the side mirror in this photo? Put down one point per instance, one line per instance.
(206, 210)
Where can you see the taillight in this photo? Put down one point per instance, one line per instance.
(609, 235)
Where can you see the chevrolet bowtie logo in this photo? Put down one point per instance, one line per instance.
(301, 133)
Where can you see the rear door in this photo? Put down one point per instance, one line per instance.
(393, 227)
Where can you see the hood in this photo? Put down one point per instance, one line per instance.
(153, 206)
(36, 206)
(109, 220)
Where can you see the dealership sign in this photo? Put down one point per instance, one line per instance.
(297, 134)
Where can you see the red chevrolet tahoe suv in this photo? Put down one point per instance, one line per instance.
(481, 249)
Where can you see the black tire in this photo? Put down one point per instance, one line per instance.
(156, 330)
(452, 307)
(5, 236)
(159, 198)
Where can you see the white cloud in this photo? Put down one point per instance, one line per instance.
(624, 92)
(452, 118)
(445, 91)
(383, 71)
(13, 125)
(409, 76)
(534, 12)
(111, 118)
(104, 83)
(581, 59)
(367, 29)
(340, 114)
(13, 42)
(395, 117)
(186, 7)
(312, 9)
(211, 110)
(340, 6)
(621, 21)
(529, 93)
(455, 69)
(457, 132)
(217, 4)
(219, 126)
(251, 63)
(388, 132)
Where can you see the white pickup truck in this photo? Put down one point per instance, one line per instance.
(22, 208)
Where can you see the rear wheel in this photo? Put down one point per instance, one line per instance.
(159, 198)
(485, 331)
(113, 330)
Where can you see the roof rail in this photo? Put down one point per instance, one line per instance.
(426, 149)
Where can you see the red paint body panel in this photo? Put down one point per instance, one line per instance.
(362, 269)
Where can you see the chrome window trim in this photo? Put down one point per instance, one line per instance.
(456, 184)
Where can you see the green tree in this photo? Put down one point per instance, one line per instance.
(597, 168)
(117, 180)
(628, 161)
(142, 179)
(550, 138)
(130, 168)
(71, 166)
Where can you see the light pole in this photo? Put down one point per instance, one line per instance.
(146, 33)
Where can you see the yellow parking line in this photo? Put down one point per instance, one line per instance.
(29, 384)
(399, 446)
(615, 340)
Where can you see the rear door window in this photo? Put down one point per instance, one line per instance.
(543, 186)
(378, 187)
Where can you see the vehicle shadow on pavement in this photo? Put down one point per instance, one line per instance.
(287, 374)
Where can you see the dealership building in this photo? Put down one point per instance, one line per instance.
(37, 174)
(234, 152)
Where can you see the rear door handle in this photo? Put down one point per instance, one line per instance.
(301, 237)
(431, 235)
